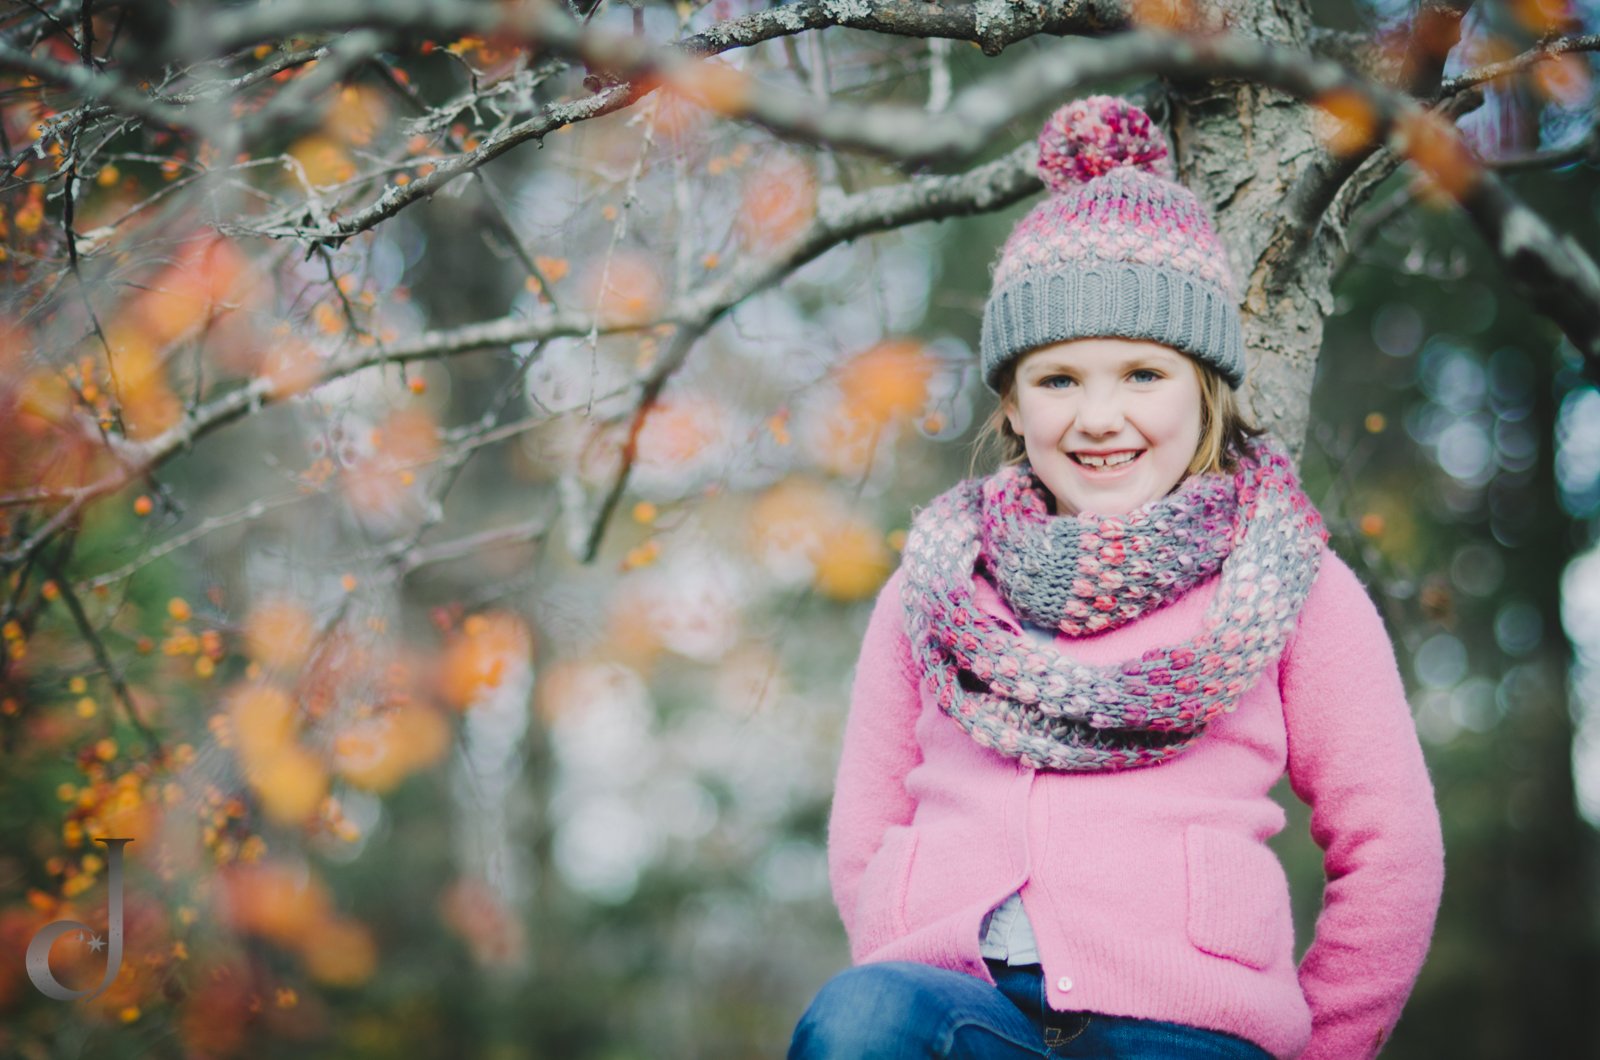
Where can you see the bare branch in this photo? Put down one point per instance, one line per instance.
(989, 187)
(910, 135)
(640, 66)
(1545, 267)
(254, 510)
(91, 636)
(1541, 52)
(98, 85)
(676, 355)
(546, 23)
(527, 532)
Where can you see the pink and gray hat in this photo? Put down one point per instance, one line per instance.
(1119, 248)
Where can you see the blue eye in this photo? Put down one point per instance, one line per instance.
(1146, 371)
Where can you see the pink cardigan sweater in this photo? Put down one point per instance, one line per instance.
(1152, 891)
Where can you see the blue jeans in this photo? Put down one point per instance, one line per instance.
(896, 1010)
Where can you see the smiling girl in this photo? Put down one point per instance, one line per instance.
(1049, 827)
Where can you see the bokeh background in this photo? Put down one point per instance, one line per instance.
(429, 785)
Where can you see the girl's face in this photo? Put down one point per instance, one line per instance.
(1110, 397)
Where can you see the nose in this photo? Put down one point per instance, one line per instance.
(1101, 412)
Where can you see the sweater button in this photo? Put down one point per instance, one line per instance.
(1063, 984)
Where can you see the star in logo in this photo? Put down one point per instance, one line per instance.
(95, 943)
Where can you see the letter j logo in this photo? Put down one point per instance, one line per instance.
(45, 937)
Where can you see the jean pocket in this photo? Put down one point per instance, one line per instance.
(1238, 898)
(880, 900)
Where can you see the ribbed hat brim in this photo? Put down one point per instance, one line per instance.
(1106, 299)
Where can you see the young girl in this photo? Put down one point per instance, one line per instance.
(1049, 829)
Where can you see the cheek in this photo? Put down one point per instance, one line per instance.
(1042, 419)
(1178, 421)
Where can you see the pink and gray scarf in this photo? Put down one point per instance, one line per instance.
(1086, 573)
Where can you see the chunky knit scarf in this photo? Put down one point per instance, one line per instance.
(1087, 573)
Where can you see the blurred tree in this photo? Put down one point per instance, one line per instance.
(305, 369)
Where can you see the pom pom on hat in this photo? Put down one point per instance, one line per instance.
(1090, 137)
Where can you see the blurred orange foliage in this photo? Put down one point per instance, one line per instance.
(288, 779)
(777, 203)
(1540, 17)
(632, 294)
(1436, 149)
(844, 443)
(323, 160)
(376, 753)
(1564, 80)
(853, 561)
(887, 382)
(274, 900)
(675, 117)
(1347, 122)
(1174, 15)
(482, 655)
(340, 952)
(713, 83)
(356, 114)
(789, 517)
(210, 275)
(277, 634)
(677, 429)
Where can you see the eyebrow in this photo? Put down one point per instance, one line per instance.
(1140, 360)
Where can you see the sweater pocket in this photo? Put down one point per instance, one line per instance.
(1238, 898)
(881, 900)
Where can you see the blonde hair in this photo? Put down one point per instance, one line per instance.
(1223, 426)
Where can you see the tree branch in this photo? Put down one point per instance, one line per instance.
(98, 85)
(91, 636)
(542, 22)
(988, 187)
(1542, 52)
(527, 532)
(642, 66)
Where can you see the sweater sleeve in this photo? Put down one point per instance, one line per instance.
(880, 748)
(1354, 759)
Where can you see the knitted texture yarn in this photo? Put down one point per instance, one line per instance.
(1118, 248)
(1085, 573)
(1088, 582)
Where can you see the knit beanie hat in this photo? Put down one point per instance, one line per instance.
(1117, 249)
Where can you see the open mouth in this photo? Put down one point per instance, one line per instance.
(1105, 468)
